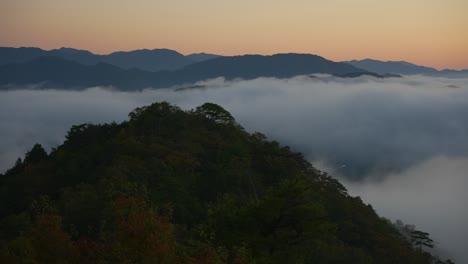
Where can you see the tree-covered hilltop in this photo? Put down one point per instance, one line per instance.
(174, 186)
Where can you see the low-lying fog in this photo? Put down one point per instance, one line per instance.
(400, 143)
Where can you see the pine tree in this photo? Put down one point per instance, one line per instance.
(420, 239)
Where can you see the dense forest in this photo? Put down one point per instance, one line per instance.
(175, 186)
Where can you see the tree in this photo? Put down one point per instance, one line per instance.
(141, 235)
(36, 154)
(420, 239)
(150, 119)
(215, 113)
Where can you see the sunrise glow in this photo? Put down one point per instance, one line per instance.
(426, 32)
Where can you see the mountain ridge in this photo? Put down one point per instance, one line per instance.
(405, 68)
(167, 59)
(62, 73)
(144, 59)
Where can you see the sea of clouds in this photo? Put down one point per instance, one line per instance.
(399, 143)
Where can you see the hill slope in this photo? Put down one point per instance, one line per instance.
(173, 186)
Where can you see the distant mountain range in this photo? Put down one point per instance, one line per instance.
(149, 60)
(57, 72)
(160, 68)
(404, 68)
(198, 57)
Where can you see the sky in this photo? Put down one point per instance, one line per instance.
(426, 32)
(405, 137)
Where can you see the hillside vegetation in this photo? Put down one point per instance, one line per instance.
(174, 186)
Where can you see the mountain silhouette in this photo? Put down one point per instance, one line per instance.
(404, 68)
(279, 66)
(165, 59)
(149, 60)
(61, 73)
(18, 55)
(371, 74)
(198, 57)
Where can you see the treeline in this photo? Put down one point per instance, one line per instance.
(174, 186)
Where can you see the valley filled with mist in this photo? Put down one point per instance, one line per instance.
(398, 143)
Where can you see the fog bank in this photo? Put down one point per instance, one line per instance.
(432, 195)
(400, 143)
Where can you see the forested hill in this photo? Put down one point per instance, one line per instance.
(174, 186)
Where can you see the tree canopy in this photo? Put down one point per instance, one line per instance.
(216, 113)
(174, 186)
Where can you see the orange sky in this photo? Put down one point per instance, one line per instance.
(427, 32)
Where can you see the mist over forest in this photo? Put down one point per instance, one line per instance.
(399, 143)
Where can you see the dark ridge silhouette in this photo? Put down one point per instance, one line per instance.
(56, 72)
(70, 52)
(166, 59)
(372, 74)
(149, 60)
(454, 73)
(198, 57)
(59, 73)
(18, 55)
(253, 66)
(392, 75)
(398, 67)
(404, 68)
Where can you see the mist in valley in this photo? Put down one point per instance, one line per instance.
(399, 143)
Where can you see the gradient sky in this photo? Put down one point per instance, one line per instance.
(427, 32)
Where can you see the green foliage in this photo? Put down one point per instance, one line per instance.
(173, 186)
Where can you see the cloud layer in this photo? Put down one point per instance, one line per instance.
(399, 143)
(431, 195)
